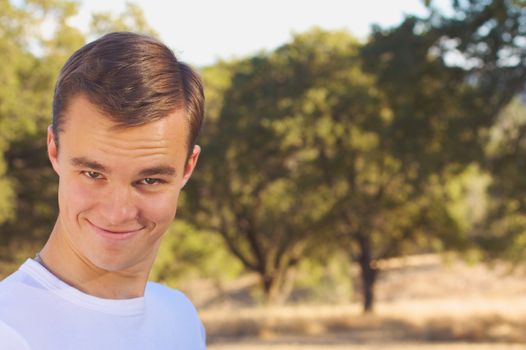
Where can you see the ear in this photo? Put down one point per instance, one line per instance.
(52, 150)
(190, 165)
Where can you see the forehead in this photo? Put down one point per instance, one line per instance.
(87, 129)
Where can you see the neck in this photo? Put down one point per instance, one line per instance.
(66, 263)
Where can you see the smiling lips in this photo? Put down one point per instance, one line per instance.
(115, 234)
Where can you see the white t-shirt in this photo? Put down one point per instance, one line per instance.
(40, 312)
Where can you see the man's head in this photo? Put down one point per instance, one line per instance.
(133, 79)
(126, 115)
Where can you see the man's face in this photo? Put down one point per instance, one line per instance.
(118, 188)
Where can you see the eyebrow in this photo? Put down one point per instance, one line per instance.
(158, 170)
(83, 162)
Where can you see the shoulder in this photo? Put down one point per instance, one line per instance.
(10, 287)
(160, 294)
(11, 339)
(15, 300)
(176, 308)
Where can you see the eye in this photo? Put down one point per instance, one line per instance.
(151, 181)
(92, 174)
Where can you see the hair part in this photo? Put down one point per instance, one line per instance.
(132, 78)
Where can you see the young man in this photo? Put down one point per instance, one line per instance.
(126, 115)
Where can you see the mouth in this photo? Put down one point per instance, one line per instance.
(115, 234)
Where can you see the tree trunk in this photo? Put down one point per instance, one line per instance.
(277, 285)
(270, 287)
(368, 273)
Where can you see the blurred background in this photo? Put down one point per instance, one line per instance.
(363, 177)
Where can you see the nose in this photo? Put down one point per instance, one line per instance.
(119, 208)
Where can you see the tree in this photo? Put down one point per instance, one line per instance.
(493, 43)
(440, 107)
(502, 233)
(11, 34)
(452, 100)
(489, 37)
(382, 206)
(378, 146)
(299, 157)
(250, 186)
(131, 19)
(29, 71)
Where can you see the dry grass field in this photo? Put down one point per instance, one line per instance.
(423, 303)
(372, 346)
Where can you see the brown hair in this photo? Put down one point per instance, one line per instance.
(134, 79)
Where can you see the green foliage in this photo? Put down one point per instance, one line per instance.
(255, 181)
(132, 19)
(324, 279)
(439, 108)
(6, 198)
(307, 148)
(32, 64)
(12, 22)
(503, 232)
(187, 252)
(468, 200)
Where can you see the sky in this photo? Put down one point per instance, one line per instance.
(204, 31)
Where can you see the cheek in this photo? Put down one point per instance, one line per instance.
(73, 197)
(161, 208)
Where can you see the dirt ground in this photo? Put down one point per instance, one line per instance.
(372, 346)
(400, 346)
(423, 303)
